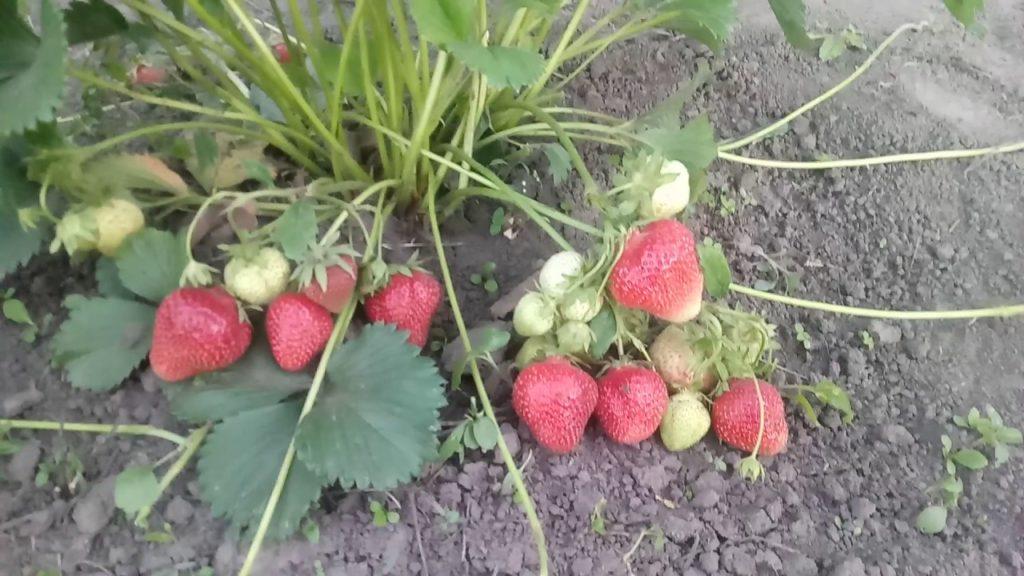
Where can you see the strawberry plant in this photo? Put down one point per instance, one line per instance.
(279, 154)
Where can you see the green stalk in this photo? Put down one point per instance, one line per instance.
(970, 314)
(423, 127)
(334, 105)
(341, 148)
(189, 449)
(127, 429)
(771, 129)
(513, 469)
(91, 150)
(876, 160)
(589, 185)
(555, 60)
(340, 327)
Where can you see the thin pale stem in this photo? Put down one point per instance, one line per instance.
(876, 160)
(970, 314)
(189, 449)
(772, 128)
(513, 469)
(127, 429)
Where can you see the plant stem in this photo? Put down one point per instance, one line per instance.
(127, 429)
(419, 135)
(340, 327)
(192, 444)
(768, 130)
(876, 160)
(510, 463)
(970, 314)
(555, 60)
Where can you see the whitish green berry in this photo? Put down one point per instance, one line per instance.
(558, 272)
(574, 338)
(685, 422)
(534, 315)
(581, 304)
(534, 350)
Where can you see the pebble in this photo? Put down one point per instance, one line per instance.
(758, 523)
(706, 498)
(918, 348)
(851, 566)
(887, 333)
(95, 510)
(801, 126)
(862, 508)
(896, 434)
(17, 403)
(178, 511)
(22, 467)
(798, 564)
(709, 562)
(511, 440)
(739, 562)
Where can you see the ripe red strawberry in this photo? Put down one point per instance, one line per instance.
(341, 283)
(408, 302)
(658, 272)
(631, 402)
(555, 399)
(736, 417)
(197, 330)
(298, 329)
(282, 53)
(148, 75)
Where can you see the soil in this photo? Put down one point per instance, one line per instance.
(842, 500)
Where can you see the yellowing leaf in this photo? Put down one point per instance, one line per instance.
(229, 166)
(138, 171)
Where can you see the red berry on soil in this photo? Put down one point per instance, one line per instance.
(659, 272)
(736, 417)
(282, 53)
(555, 399)
(631, 402)
(197, 330)
(298, 330)
(408, 303)
(341, 283)
(149, 75)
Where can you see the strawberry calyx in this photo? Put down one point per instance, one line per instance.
(197, 274)
(380, 272)
(323, 255)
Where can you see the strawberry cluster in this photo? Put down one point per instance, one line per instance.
(205, 329)
(707, 355)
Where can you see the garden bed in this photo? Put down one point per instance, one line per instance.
(842, 500)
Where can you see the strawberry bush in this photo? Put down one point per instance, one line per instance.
(239, 238)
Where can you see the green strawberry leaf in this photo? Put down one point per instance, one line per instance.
(17, 244)
(549, 7)
(376, 420)
(92, 20)
(970, 459)
(151, 263)
(966, 11)
(483, 341)
(444, 21)
(136, 488)
(238, 466)
(605, 330)
(253, 382)
(485, 433)
(296, 229)
(559, 164)
(792, 17)
(504, 67)
(32, 68)
(694, 145)
(108, 280)
(932, 520)
(103, 340)
(809, 412)
(717, 275)
(707, 21)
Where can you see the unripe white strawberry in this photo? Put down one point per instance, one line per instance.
(581, 304)
(116, 220)
(685, 422)
(559, 271)
(534, 315)
(259, 278)
(574, 338)
(672, 197)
